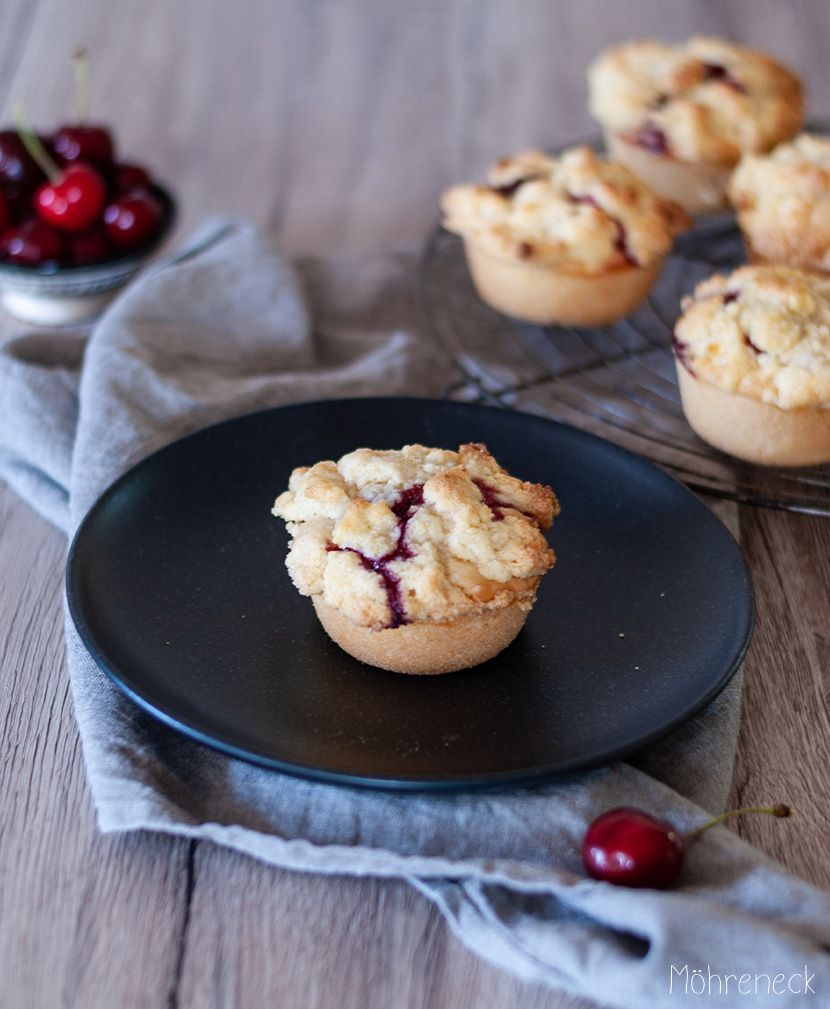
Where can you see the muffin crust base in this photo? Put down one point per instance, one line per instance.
(752, 430)
(425, 648)
(542, 294)
(698, 188)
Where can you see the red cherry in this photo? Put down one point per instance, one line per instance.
(133, 219)
(5, 213)
(16, 164)
(73, 200)
(127, 177)
(628, 847)
(90, 247)
(33, 243)
(18, 201)
(84, 143)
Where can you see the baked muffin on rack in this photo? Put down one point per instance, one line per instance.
(569, 239)
(782, 201)
(681, 116)
(753, 363)
(418, 560)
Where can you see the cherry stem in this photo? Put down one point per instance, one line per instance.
(33, 145)
(80, 62)
(781, 810)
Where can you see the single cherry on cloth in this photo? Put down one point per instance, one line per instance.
(73, 199)
(133, 219)
(630, 847)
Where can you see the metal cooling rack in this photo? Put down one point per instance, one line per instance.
(616, 381)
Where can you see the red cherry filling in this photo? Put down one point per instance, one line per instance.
(409, 499)
(491, 499)
(391, 582)
(621, 240)
(509, 188)
(630, 848)
(681, 352)
(717, 72)
(681, 348)
(652, 139)
(497, 505)
(74, 200)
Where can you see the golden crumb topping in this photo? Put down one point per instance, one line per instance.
(416, 534)
(761, 332)
(783, 201)
(575, 211)
(703, 100)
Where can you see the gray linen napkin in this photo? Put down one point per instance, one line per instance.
(223, 329)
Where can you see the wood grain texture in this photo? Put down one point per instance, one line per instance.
(335, 124)
(785, 728)
(350, 943)
(76, 909)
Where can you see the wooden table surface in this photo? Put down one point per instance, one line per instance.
(335, 124)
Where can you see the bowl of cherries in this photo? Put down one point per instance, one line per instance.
(76, 222)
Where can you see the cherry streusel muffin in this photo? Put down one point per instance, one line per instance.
(753, 364)
(418, 560)
(572, 239)
(782, 200)
(681, 116)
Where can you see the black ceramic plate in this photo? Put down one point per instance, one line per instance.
(177, 584)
